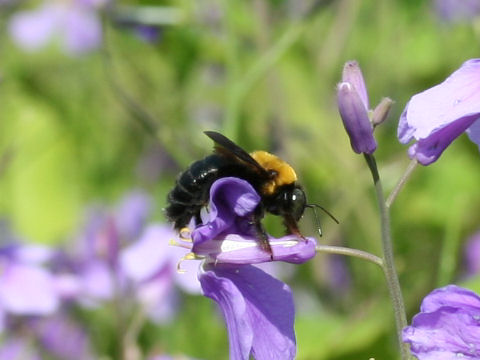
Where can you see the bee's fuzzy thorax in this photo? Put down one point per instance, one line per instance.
(285, 173)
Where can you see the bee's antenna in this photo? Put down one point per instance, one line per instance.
(313, 207)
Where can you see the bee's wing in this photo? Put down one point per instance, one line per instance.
(227, 147)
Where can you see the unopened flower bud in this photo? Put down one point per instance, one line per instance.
(382, 110)
(352, 74)
(355, 119)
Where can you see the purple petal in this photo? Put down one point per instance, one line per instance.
(473, 133)
(92, 3)
(32, 30)
(231, 199)
(148, 33)
(97, 282)
(2, 322)
(62, 338)
(451, 296)
(159, 297)
(17, 349)
(27, 290)
(100, 240)
(83, 31)
(257, 308)
(132, 213)
(68, 286)
(352, 74)
(147, 256)
(228, 237)
(442, 112)
(33, 254)
(405, 132)
(448, 333)
(447, 327)
(457, 10)
(428, 150)
(236, 249)
(188, 280)
(355, 119)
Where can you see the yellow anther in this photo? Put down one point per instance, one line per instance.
(185, 234)
(189, 256)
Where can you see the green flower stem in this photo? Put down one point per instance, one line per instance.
(393, 195)
(340, 250)
(388, 261)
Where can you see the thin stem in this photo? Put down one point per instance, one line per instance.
(340, 250)
(389, 266)
(393, 195)
(130, 339)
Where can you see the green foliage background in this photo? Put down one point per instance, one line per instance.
(76, 130)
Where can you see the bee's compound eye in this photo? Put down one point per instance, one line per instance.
(297, 203)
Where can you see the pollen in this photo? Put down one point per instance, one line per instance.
(285, 173)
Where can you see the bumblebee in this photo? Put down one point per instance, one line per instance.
(273, 179)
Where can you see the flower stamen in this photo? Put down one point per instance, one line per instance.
(189, 256)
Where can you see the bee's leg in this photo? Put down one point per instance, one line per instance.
(292, 226)
(260, 231)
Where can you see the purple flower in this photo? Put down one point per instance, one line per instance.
(440, 114)
(74, 23)
(148, 33)
(353, 106)
(17, 348)
(257, 308)
(149, 264)
(62, 338)
(228, 236)
(447, 327)
(457, 10)
(91, 272)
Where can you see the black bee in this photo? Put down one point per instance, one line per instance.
(271, 177)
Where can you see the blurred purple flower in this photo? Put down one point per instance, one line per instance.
(25, 288)
(91, 272)
(132, 213)
(457, 10)
(16, 348)
(472, 255)
(148, 33)
(62, 338)
(338, 276)
(353, 106)
(257, 308)
(75, 23)
(440, 114)
(447, 327)
(150, 264)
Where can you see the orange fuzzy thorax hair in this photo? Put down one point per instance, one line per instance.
(285, 173)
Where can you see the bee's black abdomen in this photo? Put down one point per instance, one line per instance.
(192, 188)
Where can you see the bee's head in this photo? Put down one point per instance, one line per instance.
(289, 200)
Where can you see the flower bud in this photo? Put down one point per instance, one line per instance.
(382, 110)
(353, 75)
(355, 119)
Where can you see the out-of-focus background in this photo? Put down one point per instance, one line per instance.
(104, 102)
